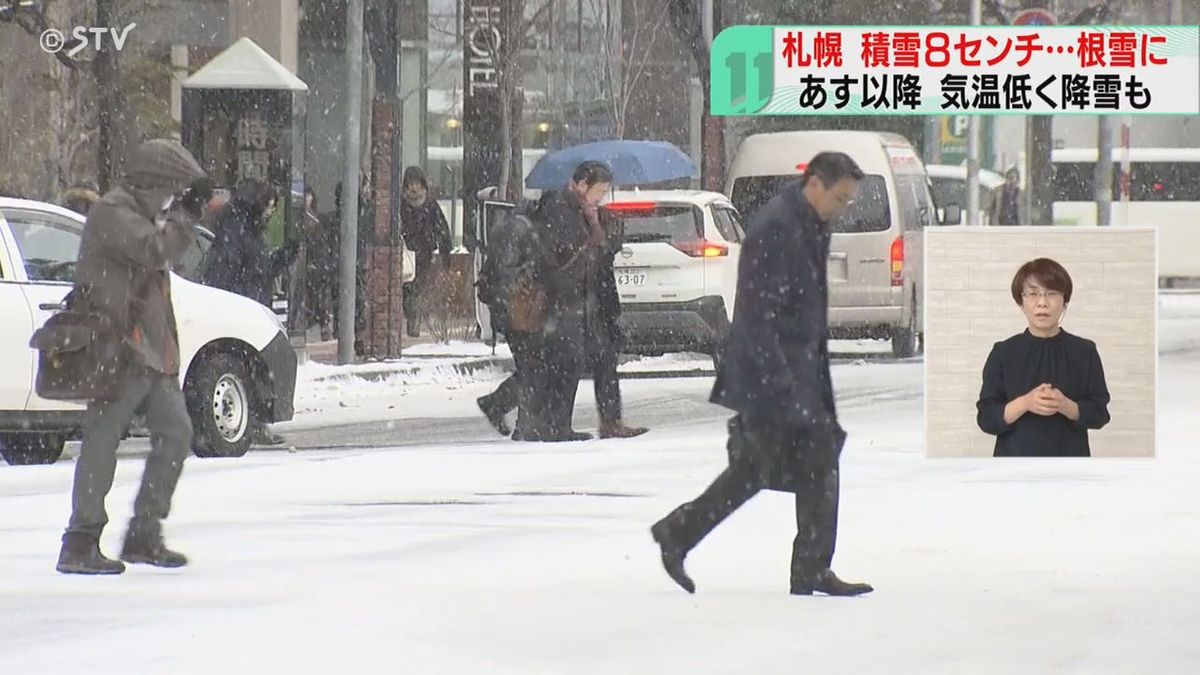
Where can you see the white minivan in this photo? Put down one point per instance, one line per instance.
(875, 262)
(238, 365)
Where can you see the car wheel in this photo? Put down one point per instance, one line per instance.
(220, 402)
(905, 340)
(25, 449)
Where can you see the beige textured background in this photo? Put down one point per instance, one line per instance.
(968, 308)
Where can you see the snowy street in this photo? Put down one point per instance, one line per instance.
(475, 554)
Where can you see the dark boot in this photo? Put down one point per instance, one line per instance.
(144, 545)
(828, 583)
(81, 554)
(672, 557)
(619, 430)
(493, 415)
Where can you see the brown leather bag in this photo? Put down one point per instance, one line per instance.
(527, 306)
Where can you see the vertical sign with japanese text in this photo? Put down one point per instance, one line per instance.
(253, 148)
(969, 70)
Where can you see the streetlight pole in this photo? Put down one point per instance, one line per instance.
(973, 140)
(348, 292)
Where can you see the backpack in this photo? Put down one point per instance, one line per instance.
(488, 284)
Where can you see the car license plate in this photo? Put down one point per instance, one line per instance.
(631, 279)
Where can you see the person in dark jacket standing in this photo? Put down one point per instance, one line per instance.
(240, 263)
(323, 259)
(775, 375)
(1005, 207)
(130, 242)
(425, 229)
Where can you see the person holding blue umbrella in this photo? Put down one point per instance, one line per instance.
(581, 325)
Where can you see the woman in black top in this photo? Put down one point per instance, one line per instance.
(1044, 388)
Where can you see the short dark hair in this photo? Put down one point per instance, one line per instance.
(592, 172)
(1046, 272)
(830, 167)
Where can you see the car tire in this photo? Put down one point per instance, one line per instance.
(906, 340)
(220, 401)
(26, 449)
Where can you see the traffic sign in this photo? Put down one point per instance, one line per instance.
(1034, 17)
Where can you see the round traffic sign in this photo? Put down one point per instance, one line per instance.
(1034, 17)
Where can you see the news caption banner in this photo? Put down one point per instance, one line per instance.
(964, 70)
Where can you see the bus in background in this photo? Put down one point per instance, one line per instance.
(1164, 192)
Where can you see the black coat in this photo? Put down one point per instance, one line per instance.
(239, 261)
(563, 232)
(425, 228)
(604, 279)
(776, 363)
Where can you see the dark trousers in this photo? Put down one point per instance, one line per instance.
(510, 394)
(157, 396)
(513, 393)
(607, 384)
(415, 292)
(816, 482)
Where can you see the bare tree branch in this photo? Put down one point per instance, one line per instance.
(33, 21)
(631, 81)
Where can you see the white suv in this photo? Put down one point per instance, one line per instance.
(677, 272)
(238, 365)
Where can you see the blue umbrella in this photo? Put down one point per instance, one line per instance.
(632, 163)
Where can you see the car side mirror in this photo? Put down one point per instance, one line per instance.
(952, 215)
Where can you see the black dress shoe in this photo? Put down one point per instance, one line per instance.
(828, 583)
(494, 415)
(672, 558)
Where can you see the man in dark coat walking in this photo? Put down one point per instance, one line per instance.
(129, 246)
(425, 230)
(565, 237)
(775, 375)
(602, 336)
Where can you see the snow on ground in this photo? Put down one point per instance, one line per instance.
(524, 558)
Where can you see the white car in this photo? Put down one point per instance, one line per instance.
(238, 364)
(948, 183)
(677, 272)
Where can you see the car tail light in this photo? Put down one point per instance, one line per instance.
(702, 249)
(897, 258)
(631, 207)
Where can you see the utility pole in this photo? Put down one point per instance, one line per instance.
(973, 140)
(347, 294)
(1104, 172)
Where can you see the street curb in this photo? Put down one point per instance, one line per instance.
(384, 371)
